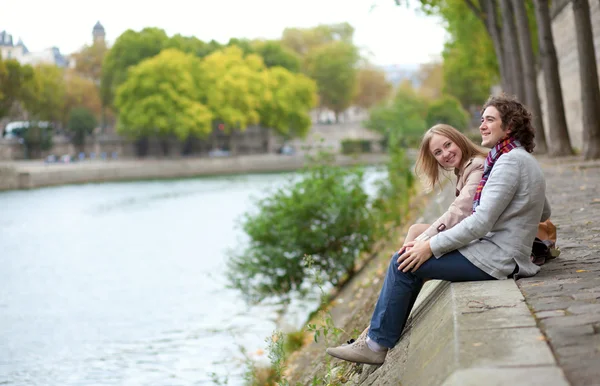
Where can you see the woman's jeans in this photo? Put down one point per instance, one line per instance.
(400, 291)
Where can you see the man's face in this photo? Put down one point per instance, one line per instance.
(491, 127)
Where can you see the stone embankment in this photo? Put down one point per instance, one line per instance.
(543, 330)
(35, 174)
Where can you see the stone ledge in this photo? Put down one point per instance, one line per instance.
(471, 333)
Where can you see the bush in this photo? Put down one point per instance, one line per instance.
(325, 214)
(448, 110)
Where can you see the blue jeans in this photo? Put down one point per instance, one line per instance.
(400, 291)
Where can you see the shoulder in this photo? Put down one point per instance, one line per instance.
(474, 164)
(519, 156)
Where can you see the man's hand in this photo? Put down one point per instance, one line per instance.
(415, 254)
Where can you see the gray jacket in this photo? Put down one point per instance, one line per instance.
(501, 232)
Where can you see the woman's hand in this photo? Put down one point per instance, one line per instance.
(415, 254)
(405, 248)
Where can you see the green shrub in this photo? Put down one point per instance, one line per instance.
(326, 214)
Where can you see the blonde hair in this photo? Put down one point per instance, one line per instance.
(428, 168)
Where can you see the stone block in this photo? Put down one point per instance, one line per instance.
(526, 376)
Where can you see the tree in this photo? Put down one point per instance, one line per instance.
(88, 61)
(431, 79)
(402, 119)
(532, 98)
(560, 144)
(470, 66)
(304, 40)
(81, 123)
(234, 87)
(511, 51)
(163, 96)
(80, 92)
(130, 48)
(275, 54)
(448, 110)
(45, 98)
(333, 67)
(287, 102)
(588, 75)
(14, 79)
(372, 87)
(192, 45)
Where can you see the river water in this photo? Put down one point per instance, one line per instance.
(123, 284)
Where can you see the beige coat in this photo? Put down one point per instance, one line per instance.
(467, 180)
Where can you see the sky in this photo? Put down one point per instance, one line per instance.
(387, 34)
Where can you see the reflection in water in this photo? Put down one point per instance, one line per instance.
(123, 284)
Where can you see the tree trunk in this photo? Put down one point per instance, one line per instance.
(559, 145)
(532, 98)
(588, 76)
(490, 20)
(512, 55)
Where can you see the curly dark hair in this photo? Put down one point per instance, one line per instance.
(514, 116)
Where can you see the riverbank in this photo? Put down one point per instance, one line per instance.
(542, 330)
(36, 174)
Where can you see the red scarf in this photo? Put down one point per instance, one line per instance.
(502, 147)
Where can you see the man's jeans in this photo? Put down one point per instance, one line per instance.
(400, 291)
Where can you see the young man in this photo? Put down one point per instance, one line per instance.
(493, 243)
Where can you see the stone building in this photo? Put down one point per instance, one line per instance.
(19, 52)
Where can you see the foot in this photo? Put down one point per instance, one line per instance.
(358, 352)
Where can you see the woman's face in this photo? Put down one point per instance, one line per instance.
(446, 152)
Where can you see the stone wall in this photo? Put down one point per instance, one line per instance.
(35, 174)
(565, 40)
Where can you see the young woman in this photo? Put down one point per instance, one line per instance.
(445, 148)
(442, 148)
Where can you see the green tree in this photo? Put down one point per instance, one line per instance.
(14, 80)
(401, 120)
(163, 96)
(234, 87)
(470, 67)
(130, 48)
(448, 110)
(45, 98)
(304, 40)
(287, 101)
(81, 124)
(275, 54)
(333, 67)
(192, 45)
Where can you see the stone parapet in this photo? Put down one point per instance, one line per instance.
(35, 174)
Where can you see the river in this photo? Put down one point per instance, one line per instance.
(123, 283)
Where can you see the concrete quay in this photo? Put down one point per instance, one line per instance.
(36, 174)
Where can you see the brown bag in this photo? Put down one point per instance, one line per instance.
(544, 245)
(547, 231)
